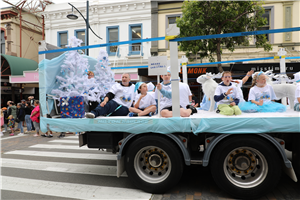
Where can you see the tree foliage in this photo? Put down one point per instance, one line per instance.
(218, 17)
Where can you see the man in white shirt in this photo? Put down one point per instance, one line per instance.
(166, 99)
(117, 101)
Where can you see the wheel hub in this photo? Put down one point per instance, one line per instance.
(152, 164)
(245, 167)
(241, 162)
(155, 159)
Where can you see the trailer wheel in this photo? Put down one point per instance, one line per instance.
(154, 164)
(296, 154)
(246, 167)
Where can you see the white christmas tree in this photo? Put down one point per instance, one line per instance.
(104, 77)
(74, 81)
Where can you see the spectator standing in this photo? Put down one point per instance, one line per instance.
(28, 109)
(23, 106)
(5, 116)
(31, 100)
(12, 110)
(23, 103)
(20, 118)
(35, 117)
(1, 121)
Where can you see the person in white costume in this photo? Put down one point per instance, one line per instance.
(297, 92)
(226, 96)
(261, 97)
(117, 101)
(144, 102)
(166, 99)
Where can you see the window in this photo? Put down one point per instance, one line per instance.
(135, 33)
(80, 34)
(62, 39)
(112, 36)
(2, 42)
(171, 19)
(266, 15)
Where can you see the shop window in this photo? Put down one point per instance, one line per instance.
(62, 39)
(2, 42)
(80, 34)
(112, 34)
(135, 33)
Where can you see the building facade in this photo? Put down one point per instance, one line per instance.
(19, 54)
(280, 14)
(113, 22)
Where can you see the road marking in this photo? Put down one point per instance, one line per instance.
(61, 167)
(12, 137)
(65, 141)
(63, 155)
(70, 147)
(70, 190)
(62, 146)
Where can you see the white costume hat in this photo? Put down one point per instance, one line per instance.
(150, 86)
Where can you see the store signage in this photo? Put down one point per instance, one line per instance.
(196, 70)
(157, 65)
(290, 67)
(27, 77)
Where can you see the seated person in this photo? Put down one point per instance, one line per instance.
(261, 97)
(226, 96)
(90, 74)
(297, 96)
(195, 100)
(144, 102)
(205, 103)
(166, 100)
(116, 102)
(239, 84)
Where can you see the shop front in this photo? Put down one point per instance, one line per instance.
(19, 79)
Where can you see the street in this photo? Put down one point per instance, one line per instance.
(54, 168)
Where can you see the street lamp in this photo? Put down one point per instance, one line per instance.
(74, 17)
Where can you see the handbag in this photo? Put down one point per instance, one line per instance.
(17, 120)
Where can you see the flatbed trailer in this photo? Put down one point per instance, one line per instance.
(245, 153)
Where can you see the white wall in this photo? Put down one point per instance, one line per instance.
(100, 16)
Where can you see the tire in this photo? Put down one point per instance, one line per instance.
(154, 164)
(296, 154)
(246, 167)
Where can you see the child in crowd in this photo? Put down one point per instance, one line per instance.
(11, 124)
(226, 96)
(2, 122)
(261, 97)
(144, 103)
(166, 99)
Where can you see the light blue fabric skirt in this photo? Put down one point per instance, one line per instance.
(270, 106)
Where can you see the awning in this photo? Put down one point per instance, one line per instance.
(15, 66)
